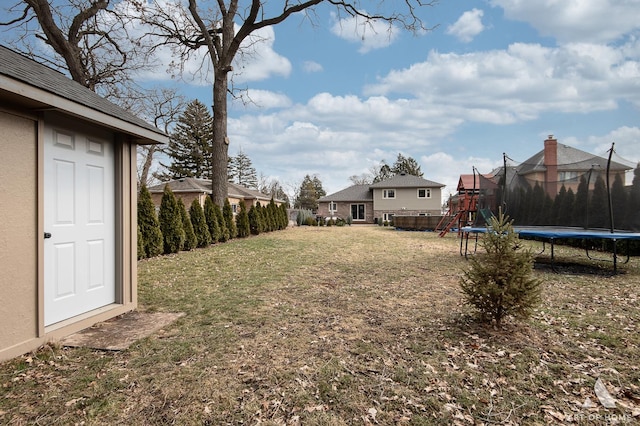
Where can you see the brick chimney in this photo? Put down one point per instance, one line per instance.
(551, 164)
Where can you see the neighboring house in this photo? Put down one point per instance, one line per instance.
(559, 164)
(356, 201)
(402, 194)
(68, 205)
(189, 189)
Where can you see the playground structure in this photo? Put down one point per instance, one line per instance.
(469, 205)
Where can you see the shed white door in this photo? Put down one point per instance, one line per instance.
(79, 224)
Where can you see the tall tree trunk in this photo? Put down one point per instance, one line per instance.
(220, 147)
(146, 166)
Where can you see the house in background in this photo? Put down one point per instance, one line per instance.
(401, 194)
(559, 164)
(68, 205)
(189, 189)
(356, 200)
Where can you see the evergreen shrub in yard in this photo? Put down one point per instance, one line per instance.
(211, 218)
(227, 212)
(199, 223)
(148, 225)
(140, 245)
(499, 282)
(190, 240)
(255, 220)
(222, 225)
(242, 221)
(273, 214)
(302, 216)
(284, 216)
(171, 222)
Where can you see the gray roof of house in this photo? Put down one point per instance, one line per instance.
(406, 181)
(187, 184)
(30, 72)
(569, 159)
(352, 193)
(190, 184)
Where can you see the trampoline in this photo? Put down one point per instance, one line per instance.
(552, 233)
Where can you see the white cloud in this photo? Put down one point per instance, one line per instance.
(311, 66)
(370, 34)
(257, 60)
(520, 83)
(256, 99)
(575, 20)
(467, 26)
(626, 141)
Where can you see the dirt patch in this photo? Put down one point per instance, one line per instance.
(575, 268)
(119, 333)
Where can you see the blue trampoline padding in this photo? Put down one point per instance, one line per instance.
(555, 232)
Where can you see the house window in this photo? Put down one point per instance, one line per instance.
(357, 211)
(568, 176)
(387, 217)
(234, 207)
(424, 193)
(388, 193)
(333, 206)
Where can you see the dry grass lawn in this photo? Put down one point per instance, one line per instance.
(343, 325)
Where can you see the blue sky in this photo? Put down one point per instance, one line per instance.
(492, 77)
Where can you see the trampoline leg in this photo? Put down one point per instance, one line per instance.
(615, 256)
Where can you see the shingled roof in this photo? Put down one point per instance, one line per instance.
(190, 184)
(569, 159)
(352, 193)
(54, 89)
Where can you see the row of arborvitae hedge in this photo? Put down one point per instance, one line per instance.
(174, 229)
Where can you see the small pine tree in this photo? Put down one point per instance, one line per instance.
(227, 212)
(212, 220)
(222, 225)
(148, 225)
(171, 222)
(255, 221)
(242, 222)
(499, 283)
(199, 223)
(190, 239)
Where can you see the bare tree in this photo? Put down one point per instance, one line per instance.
(89, 39)
(361, 179)
(272, 187)
(162, 107)
(213, 28)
